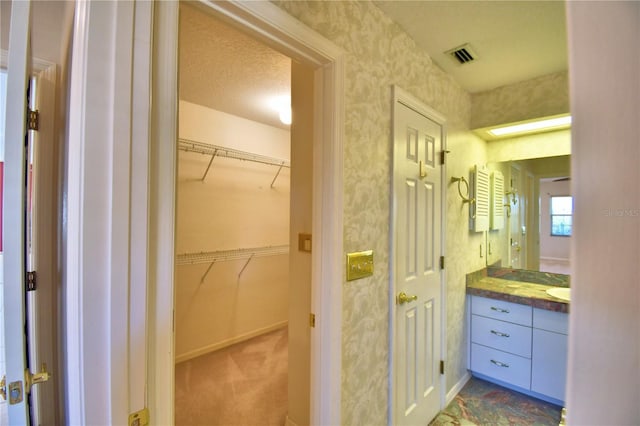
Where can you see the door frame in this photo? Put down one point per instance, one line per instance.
(41, 327)
(399, 95)
(271, 25)
(14, 194)
(120, 186)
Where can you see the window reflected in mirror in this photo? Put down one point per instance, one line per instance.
(561, 215)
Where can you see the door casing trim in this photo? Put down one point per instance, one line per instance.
(273, 26)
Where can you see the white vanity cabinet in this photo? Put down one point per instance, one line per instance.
(518, 345)
(549, 355)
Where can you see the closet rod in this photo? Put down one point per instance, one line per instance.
(235, 254)
(220, 151)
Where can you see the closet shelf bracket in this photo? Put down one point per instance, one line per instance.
(207, 272)
(244, 267)
(209, 165)
(277, 174)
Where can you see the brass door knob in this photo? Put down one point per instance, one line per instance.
(403, 298)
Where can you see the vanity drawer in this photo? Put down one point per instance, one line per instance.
(504, 311)
(499, 365)
(506, 336)
(558, 322)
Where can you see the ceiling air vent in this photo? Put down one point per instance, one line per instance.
(462, 54)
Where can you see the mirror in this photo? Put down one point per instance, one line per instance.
(530, 180)
(526, 240)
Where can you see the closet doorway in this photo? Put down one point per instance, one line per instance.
(243, 199)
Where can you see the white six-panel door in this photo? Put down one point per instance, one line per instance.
(418, 243)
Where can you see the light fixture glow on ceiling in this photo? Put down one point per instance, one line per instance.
(533, 126)
(285, 114)
(282, 106)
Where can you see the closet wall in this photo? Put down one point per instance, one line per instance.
(218, 301)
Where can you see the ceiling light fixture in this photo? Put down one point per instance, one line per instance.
(533, 126)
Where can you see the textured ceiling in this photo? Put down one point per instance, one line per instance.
(224, 69)
(514, 40)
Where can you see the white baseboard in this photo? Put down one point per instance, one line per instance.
(289, 422)
(228, 342)
(555, 259)
(457, 388)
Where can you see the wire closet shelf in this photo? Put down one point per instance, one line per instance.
(212, 257)
(221, 151)
(234, 254)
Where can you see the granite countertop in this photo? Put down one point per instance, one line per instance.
(520, 292)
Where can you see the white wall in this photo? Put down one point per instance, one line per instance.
(603, 385)
(552, 247)
(234, 207)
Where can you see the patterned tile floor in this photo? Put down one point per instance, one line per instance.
(483, 403)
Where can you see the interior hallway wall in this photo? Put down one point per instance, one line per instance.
(234, 207)
(549, 144)
(604, 348)
(379, 54)
(539, 97)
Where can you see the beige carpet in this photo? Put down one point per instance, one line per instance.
(244, 384)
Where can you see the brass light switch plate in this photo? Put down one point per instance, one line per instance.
(139, 418)
(359, 265)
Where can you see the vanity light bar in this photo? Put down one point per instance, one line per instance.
(547, 124)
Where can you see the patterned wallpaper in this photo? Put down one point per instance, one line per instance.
(538, 97)
(378, 55)
(549, 144)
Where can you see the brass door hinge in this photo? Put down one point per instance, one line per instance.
(31, 281)
(441, 367)
(312, 320)
(441, 262)
(443, 155)
(33, 119)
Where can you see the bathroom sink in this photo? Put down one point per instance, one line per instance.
(560, 292)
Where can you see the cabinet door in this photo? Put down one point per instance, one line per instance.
(557, 322)
(549, 363)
